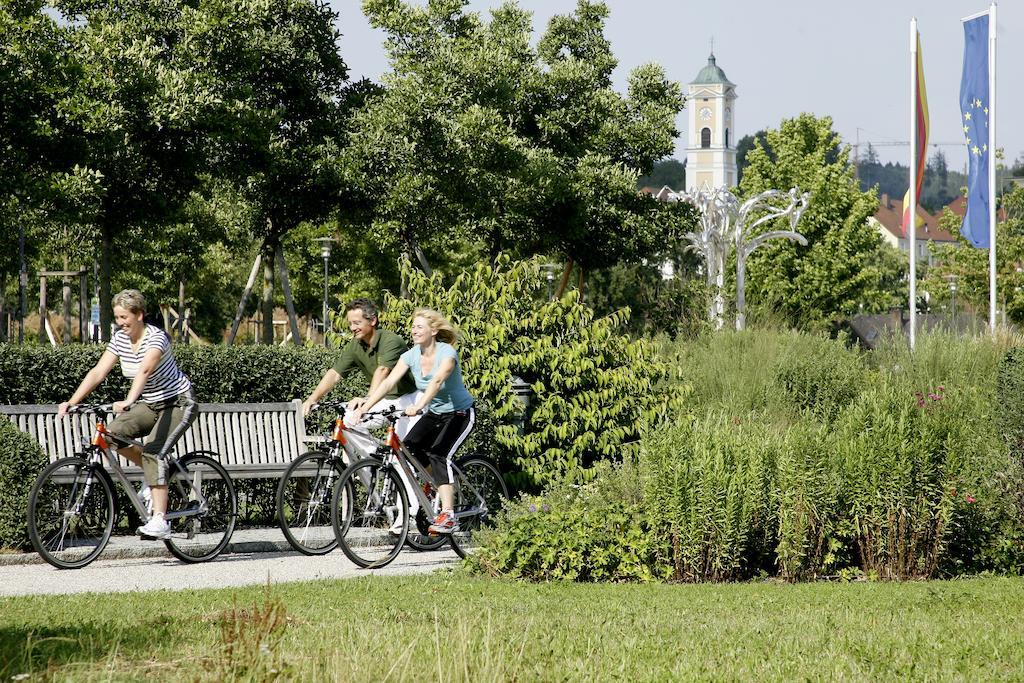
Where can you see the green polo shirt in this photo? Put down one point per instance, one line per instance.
(388, 348)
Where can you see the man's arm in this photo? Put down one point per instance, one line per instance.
(330, 378)
(379, 375)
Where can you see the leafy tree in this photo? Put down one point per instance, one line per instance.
(841, 270)
(480, 135)
(743, 148)
(941, 186)
(970, 266)
(283, 106)
(139, 112)
(36, 167)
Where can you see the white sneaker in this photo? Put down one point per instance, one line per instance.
(146, 494)
(396, 526)
(156, 528)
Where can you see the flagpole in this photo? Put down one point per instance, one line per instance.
(992, 168)
(911, 209)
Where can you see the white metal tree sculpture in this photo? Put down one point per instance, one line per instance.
(726, 224)
(768, 206)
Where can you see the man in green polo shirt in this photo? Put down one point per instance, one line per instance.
(374, 352)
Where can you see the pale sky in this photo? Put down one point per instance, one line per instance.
(845, 58)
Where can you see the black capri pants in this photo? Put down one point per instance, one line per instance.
(436, 436)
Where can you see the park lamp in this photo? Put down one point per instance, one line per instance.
(326, 244)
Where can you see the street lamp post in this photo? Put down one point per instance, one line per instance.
(326, 243)
(549, 275)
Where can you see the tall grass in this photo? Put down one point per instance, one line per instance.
(801, 457)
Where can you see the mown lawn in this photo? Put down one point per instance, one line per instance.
(449, 627)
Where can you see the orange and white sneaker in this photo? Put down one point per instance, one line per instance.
(445, 523)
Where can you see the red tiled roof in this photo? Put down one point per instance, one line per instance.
(891, 218)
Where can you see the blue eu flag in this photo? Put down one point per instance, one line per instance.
(974, 119)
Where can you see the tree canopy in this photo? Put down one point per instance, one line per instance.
(844, 268)
(513, 147)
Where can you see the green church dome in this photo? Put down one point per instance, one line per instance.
(711, 73)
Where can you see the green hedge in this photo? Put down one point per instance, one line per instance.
(239, 374)
(21, 460)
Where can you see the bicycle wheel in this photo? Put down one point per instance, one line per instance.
(201, 507)
(71, 512)
(304, 502)
(369, 504)
(480, 493)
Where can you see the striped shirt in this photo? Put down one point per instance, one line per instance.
(167, 381)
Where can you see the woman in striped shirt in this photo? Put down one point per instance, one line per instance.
(160, 404)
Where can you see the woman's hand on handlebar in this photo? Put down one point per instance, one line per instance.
(413, 411)
(122, 406)
(62, 409)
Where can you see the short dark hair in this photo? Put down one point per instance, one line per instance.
(367, 306)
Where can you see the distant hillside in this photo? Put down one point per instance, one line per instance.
(671, 172)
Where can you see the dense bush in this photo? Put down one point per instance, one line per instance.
(1010, 414)
(592, 385)
(819, 375)
(596, 531)
(21, 460)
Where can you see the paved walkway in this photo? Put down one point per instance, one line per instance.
(256, 556)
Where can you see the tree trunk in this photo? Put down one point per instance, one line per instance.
(180, 325)
(421, 257)
(582, 281)
(293, 321)
(83, 305)
(267, 304)
(106, 247)
(563, 284)
(66, 302)
(43, 338)
(245, 298)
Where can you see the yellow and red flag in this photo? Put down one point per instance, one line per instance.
(920, 142)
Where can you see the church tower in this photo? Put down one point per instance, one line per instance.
(711, 148)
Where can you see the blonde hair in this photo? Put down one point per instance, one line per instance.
(438, 323)
(130, 300)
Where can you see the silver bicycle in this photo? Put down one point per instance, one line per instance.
(73, 510)
(370, 506)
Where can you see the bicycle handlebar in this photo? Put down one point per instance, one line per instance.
(91, 408)
(393, 414)
(330, 404)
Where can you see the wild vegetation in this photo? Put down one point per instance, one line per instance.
(800, 458)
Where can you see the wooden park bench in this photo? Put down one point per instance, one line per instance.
(253, 440)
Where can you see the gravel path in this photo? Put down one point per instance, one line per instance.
(258, 557)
